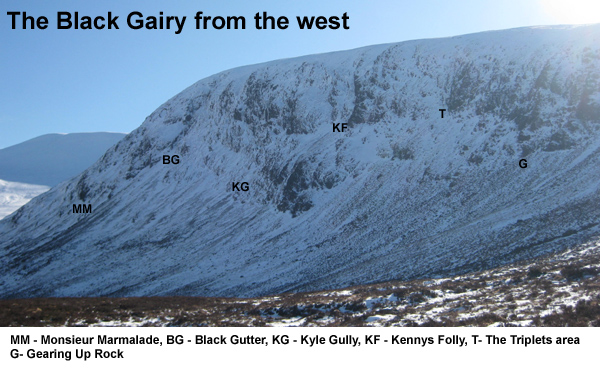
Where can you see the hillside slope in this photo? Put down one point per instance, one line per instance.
(559, 290)
(401, 194)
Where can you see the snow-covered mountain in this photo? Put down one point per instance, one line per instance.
(401, 194)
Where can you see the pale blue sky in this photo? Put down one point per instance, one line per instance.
(62, 81)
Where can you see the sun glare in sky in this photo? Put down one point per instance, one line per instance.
(573, 11)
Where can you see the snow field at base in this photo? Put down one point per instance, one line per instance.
(526, 294)
(446, 302)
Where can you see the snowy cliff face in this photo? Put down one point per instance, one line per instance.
(402, 193)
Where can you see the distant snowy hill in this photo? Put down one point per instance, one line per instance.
(14, 195)
(401, 194)
(52, 158)
(30, 168)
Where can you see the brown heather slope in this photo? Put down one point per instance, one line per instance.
(558, 290)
